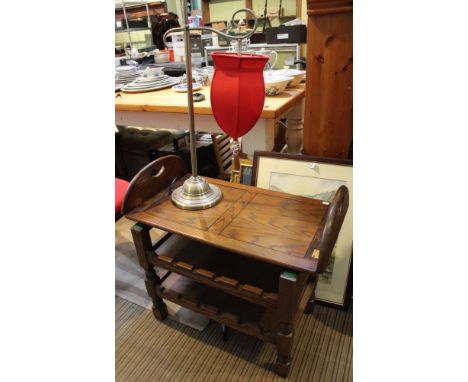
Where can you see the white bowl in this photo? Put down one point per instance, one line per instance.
(296, 74)
(274, 85)
(161, 57)
(153, 71)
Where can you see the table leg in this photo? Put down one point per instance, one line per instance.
(286, 309)
(142, 241)
(310, 304)
(294, 129)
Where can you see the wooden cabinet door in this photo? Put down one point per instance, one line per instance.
(328, 116)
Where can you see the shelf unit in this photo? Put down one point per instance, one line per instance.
(235, 290)
(205, 10)
(125, 12)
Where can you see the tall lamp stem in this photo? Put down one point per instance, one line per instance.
(188, 71)
(196, 193)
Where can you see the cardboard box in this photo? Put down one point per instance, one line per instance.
(294, 34)
(219, 26)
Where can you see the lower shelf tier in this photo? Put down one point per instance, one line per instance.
(219, 306)
(241, 276)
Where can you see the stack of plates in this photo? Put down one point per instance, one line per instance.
(147, 84)
(126, 74)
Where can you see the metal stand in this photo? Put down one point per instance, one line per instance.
(196, 193)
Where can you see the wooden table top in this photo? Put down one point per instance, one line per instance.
(270, 226)
(169, 101)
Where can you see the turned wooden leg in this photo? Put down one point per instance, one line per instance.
(309, 308)
(142, 241)
(294, 136)
(286, 310)
(295, 128)
(224, 331)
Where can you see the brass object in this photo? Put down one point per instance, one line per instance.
(196, 194)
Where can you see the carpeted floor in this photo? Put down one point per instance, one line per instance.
(130, 277)
(149, 350)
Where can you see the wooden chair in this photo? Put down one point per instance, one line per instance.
(223, 153)
(224, 156)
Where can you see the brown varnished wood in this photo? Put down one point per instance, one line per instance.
(273, 227)
(152, 179)
(142, 241)
(205, 8)
(252, 289)
(280, 225)
(250, 262)
(223, 153)
(216, 305)
(317, 7)
(184, 265)
(287, 304)
(329, 98)
(205, 273)
(232, 212)
(334, 220)
(218, 268)
(139, 10)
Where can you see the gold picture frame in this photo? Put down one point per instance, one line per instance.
(317, 178)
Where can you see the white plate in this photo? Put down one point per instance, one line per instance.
(138, 81)
(133, 85)
(133, 75)
(126, 68)
(142, 80)
(148, 87)
(125, 89)
(182, 88)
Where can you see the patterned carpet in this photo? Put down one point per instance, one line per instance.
(149, 350)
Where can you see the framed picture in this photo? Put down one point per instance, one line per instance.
(317, 178)
(244, 175)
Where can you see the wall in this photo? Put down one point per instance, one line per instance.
(172, 6)
(289, 6)
(222, 10)
(140, 39)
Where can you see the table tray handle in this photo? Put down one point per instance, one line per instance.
(333, 222)
(153, 178)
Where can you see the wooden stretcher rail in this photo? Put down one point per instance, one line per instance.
(246, 317)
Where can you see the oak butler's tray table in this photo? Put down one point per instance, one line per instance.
(250, 262)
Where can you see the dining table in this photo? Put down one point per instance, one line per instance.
(168, 109)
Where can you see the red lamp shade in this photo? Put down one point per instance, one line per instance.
(237, 91)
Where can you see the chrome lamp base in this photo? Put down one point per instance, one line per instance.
(196, 194)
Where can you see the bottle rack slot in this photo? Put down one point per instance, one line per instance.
(243, 277)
